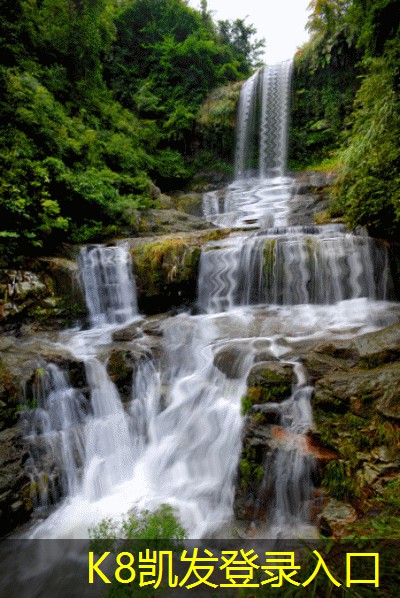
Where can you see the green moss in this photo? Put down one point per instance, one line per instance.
(216, 121)
(338, 481)
(10, 396)
(388, 434)
(251, 472)
(169, 260)
(269, 259)
(253, 397)
(351, 436)
(118, 366)
(259, 418)
(273, 387)
(161, 262)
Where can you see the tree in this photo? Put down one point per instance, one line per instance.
(238, 37)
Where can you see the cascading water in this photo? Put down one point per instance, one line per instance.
(108, 284)
(259, 195)
(301, 267)
(292, 268)
(262, 116)
(178, 439)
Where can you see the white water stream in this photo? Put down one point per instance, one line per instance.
(178, 440)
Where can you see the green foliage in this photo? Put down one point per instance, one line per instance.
(165, 59)
(346, 105)
(338, 481)
(139, 530)
(216, 121)
(138, 525)
(324, 85)
(368, 189)
(238, 37)
(98, 98)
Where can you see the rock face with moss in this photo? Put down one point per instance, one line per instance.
(356, 408)
(267, 382)
(45, 292)
(311, 198)
(355, 438)
(21, 368)
(166, 269)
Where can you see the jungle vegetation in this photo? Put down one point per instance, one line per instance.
(346, 108)
(99, 101)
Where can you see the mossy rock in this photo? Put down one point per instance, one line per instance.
(121, 365)
(337, 391)
(166, 270)
(269, 382)
(191, 203)
(46, 292)
(216, 122)
(14, 508)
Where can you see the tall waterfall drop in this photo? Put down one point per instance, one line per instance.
(262, 123)
(259, 195)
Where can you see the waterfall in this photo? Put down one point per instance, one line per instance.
(54, 437)
(259, 195)
(262, 122)
(261, 294)
(109, 287)
(292, 268)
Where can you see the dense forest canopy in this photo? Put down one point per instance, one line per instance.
(99, 99)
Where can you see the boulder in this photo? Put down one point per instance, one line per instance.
(122, 363)
(190, 203)
(272, 379)
(127, 334)
(229, 361)
(166, 269)
(337, 391)
(336, 517)
(46, 292)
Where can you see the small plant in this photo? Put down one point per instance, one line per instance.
(338, 482)
(161, 524)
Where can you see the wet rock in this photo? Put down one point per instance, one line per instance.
(166, 270)
(127, 334)
(378, 348)
(21, 365)
(269, 383)
(153, 328)
(272, 379)
(209, 180)
(121, 366)
(229, 361)
(336, 517)
(10, 396)
(335, 391)
(310, 198)
(191, 203)
(315, 445)
(166, 221)
(264, 356)
(15, 504)
(367, 351)
(46, 292)
(154, 191)
(319, 365)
